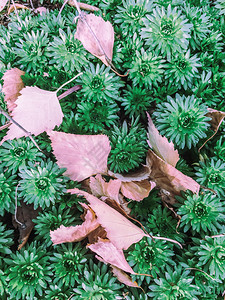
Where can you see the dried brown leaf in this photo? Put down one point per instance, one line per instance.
(97, 37)
(216, 118)
(124, 278)
(18, 6)
(137, 190)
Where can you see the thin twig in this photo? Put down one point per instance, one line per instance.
(68, 82)
(195, 269)
(23, 226)
(69, 91)
(61, 9)
(167, 239)
(31, 4)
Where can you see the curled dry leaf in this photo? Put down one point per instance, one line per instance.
(75, 233)
(137, 190)
(37, 111)
(3, 4)
(167, 177)
(99, 187)
(139, 175)
(84, 6)
(111, 255)
(216, 118)
(97, 36)
(82, 155)
(18, 6)
(120, 231)
(12, 85)
(124, 278)
(161, 145)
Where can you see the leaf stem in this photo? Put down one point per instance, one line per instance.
(68, 82)
(166, 239)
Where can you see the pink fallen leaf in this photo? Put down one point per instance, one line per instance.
(37, 111)
(75, 233)
(120, 231)
(167, 177)
(12, 85)
(82, 155)
(3, 4)
(97, 37)
(161, 145)
(111, 255)
(124, 278)
(137, 190)
(99, 187)
(139, 175)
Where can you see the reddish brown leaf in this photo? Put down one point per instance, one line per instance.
(167, 177)
(18, 6)
(110, 254)
(216, 118)
(82, 155)
(123, 277)
(97, 37)
(137, 190)
(120, 231)
(160, 145)
(12, 85)
(75, 233)
(99, 187)
(139, 175)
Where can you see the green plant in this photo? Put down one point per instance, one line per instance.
(128, 147)
(42, 184)
(182, 120)
(58, 292)
(6, 241)
(97, 284)
(211, 174)
(220, 148)
(166, 31)
(28, 272)
(7, 192)
(17, 153)
(201, 213)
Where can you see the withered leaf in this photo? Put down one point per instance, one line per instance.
(216, 118)
(139, 175)
(137, 190)
(123, 277)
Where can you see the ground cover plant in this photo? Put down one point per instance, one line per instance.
(112, 182)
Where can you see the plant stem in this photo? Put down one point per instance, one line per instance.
(68, 82)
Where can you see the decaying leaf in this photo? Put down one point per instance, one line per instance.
(167, 177)
(97, 36)
(137, 190)
(82, 155)
(139, 175)
(120, 231)
(25, 214)
(124, 278)
(111, 255)
(216, 118)
(18, 6)
(75, 233)
(99, 187)
(12, 85)
(3, 4)
(161, 145)
(84, 6)
(37, 111)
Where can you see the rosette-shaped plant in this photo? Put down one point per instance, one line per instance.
(211, 254)
(219, 150)
(167, 31)
(150, 257)
(128, 147)
(42, 184)
(17, 153)
(7, 192)
(182, 120)
(99, 84)
(130, 16)
(95, 117)
(201, 213)
(220, 4)
(182, 69)
(68, 263)
(5, 241)
(58, 292)
(183, 167)
(147, 69)
(211, 174)
(66, 52)
(31, 50)
(136, 101)
(97, 283)
(51, 220)
(174, 285)
(28, 273)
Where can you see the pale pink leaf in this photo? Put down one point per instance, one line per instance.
(82, 155)
(167, 177)
(111, 255)
(161, 145)
(123, 277)
(37, 111)
(12, 85)
(137, 190)
(97, 37)
(120, 231)
(139, 175)
(99, 187)
(3, 4)
(75, 233)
